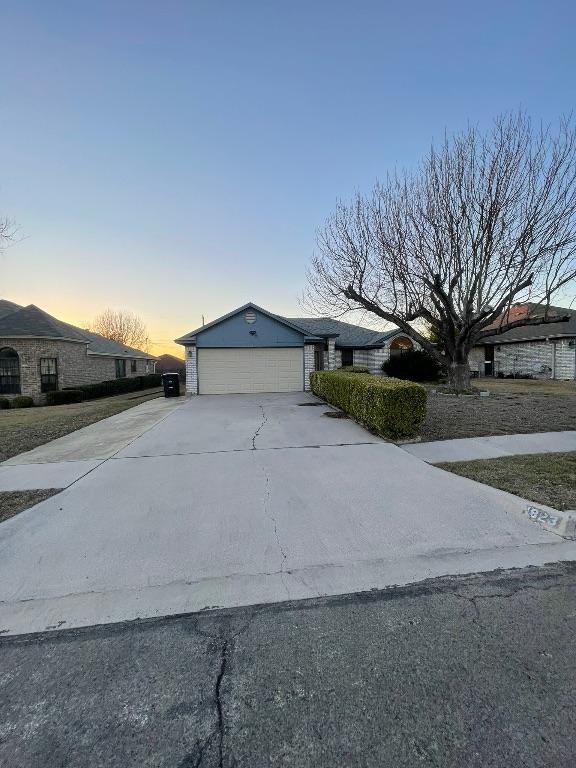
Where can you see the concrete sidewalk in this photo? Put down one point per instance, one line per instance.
(468, 449)
(61, 462)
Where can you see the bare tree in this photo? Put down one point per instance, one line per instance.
(124, 327)
(487, 221)
(7, 232)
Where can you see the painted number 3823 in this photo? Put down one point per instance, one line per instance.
(540, 516)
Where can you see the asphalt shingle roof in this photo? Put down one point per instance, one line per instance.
(33, 322)
(348, 335)
(7, 307)
(546, 330)
(316, 328)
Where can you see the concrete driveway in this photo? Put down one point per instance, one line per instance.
(238, 500)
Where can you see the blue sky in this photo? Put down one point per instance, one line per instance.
(176, 158)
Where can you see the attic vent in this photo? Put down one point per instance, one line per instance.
(250, 316)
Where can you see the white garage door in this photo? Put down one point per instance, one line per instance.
(266, 369)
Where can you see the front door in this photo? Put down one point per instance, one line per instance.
(488, 360)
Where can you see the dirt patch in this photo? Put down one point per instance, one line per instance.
(547, 478)
(25, 428)
(501, 413)
(13, 502)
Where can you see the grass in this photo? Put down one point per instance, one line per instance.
(545, 478)
(514, 406)
(22, 429)
(527, 386)
(13, 502)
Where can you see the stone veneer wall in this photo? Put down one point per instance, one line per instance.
(75, 366)
(191, 370)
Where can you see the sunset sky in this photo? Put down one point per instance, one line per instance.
(175, 159)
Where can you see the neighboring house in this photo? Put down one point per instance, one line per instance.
(546, 351)
(39, 354)
(253, 350)
(171, 364)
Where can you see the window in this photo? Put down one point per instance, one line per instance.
(120, 368)
(132, 366)
(347, 357)
(48, 374)
(9, 372)
(400, 345)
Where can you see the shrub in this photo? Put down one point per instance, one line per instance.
(22, 401)
(390, 407)
(4, 403)
(413, 365)
(64, 396)
(119, 386)
(354, 369)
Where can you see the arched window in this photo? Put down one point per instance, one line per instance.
(9, 372)
(400, 345)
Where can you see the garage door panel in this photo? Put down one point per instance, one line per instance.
(266, 369)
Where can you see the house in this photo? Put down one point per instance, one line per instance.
(253, 350)
(546, 351)
(171, 364)
(39, 354)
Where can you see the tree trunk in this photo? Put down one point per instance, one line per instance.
(459, 375)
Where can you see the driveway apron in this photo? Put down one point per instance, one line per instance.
(244, 499)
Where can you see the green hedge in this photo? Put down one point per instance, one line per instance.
(63, 396)
(390, 407)
(354, 369)
(4, 403)
(22, 401)
(119, 386)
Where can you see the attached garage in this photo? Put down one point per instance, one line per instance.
(249, 351)
(246, 370)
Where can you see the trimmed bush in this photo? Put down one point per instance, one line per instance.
(61, 397)
(22, 401)
(413, 365)
(119, 386)
(354, 369)
(4, 403)
(390, 407)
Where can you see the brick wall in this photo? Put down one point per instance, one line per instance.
(360, 357)
(565, 360)
(308, 364)
(375, 360)
(542, 359)
(191, 370)
(75, 366)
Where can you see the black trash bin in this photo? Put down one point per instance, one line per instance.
(171, 384)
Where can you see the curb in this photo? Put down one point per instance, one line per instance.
(561, 523)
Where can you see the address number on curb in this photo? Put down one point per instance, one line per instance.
(540, 516)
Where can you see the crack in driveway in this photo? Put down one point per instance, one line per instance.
(264, 420)
(267, 511)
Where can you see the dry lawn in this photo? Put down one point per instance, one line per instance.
(547, 478)
(514, 406)
(22, 429)
(12, 502)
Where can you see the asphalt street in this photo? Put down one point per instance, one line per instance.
(464, 671)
